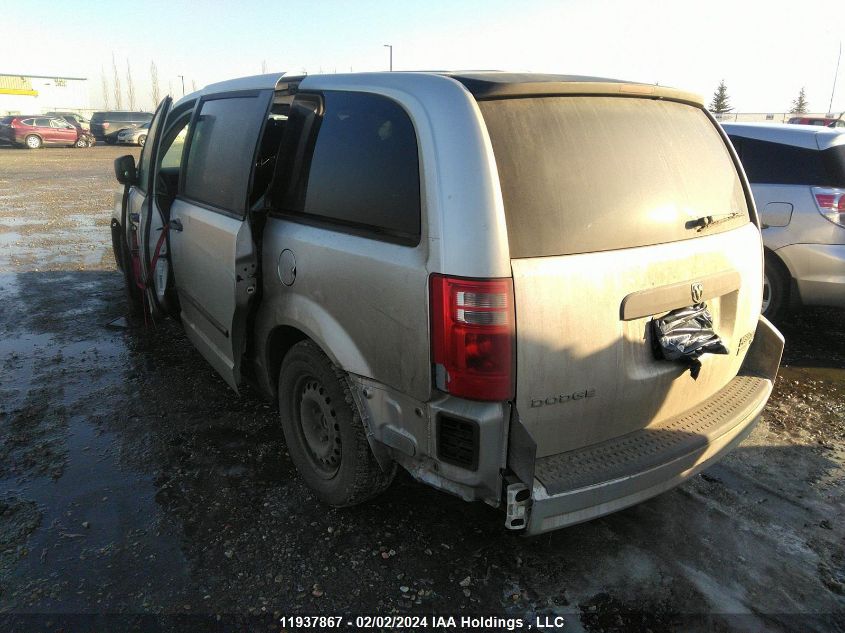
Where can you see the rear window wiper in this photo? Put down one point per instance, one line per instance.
(707, 221)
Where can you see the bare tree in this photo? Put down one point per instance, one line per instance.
(263, 66)
(156, 90)
(105, 83)
(118, 97)
(193, 85)
(130, 86)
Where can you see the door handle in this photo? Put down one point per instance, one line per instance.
(176, 224)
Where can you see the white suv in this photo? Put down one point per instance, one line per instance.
(797, 175)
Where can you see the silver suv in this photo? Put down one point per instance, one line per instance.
(797, 175)
(538, 291)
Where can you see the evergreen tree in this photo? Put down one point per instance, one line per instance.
(721, 102)
(800, 105)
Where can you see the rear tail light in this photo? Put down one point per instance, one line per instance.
(105, 125)
(472, 337)
(831, 204)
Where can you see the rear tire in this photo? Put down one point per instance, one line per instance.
(141, 140)
(33, 142)
(325, 436)
(775, 290)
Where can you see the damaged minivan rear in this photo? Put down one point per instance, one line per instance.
(623, 212)
(538, 291)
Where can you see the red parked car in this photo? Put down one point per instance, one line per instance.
(35, 131)
(818, 120)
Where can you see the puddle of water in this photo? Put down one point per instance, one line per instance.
(85, 219)
(84, 242)
(85, 515)
(99, 513)
(10, 239)
(833, 375)
(19, 368)
(21, 222)
(10, 197)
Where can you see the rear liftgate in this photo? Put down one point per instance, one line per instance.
(644, 454)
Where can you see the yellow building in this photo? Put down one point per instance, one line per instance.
(34, 94)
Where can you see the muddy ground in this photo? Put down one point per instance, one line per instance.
(133, 481)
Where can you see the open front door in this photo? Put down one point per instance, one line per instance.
(140, 210)
(211, 246)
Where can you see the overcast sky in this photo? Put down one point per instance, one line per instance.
(765, 51)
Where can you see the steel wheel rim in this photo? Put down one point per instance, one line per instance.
(142, 140)
(318, 427)
(33, 142)
(767, 293)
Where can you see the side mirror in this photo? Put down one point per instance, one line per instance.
(124, 170)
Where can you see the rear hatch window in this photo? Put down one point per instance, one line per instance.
(584, 174)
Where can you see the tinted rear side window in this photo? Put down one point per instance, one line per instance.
(364, 168)
(583, 174)
(768, 163)
(221, 151)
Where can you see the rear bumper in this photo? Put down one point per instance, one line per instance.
(819, 272)
(581, 485)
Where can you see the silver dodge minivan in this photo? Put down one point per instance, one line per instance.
(539, 291)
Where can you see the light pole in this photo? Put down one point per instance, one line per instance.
(390, 46)
(830, 105)
(182, 77)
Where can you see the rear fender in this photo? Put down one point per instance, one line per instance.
(300, 313)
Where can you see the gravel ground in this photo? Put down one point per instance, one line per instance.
(55, 207)
(134, 482)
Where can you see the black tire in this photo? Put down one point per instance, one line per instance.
(82, 142)
(134, 296)
(775, 290)
(33, 141)
(323, 430)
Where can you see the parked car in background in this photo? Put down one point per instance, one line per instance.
(107, 125)
(37, 131)
(134, 136)
(822, 121)
(380, 252)
(73, 118)
(797, 175)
